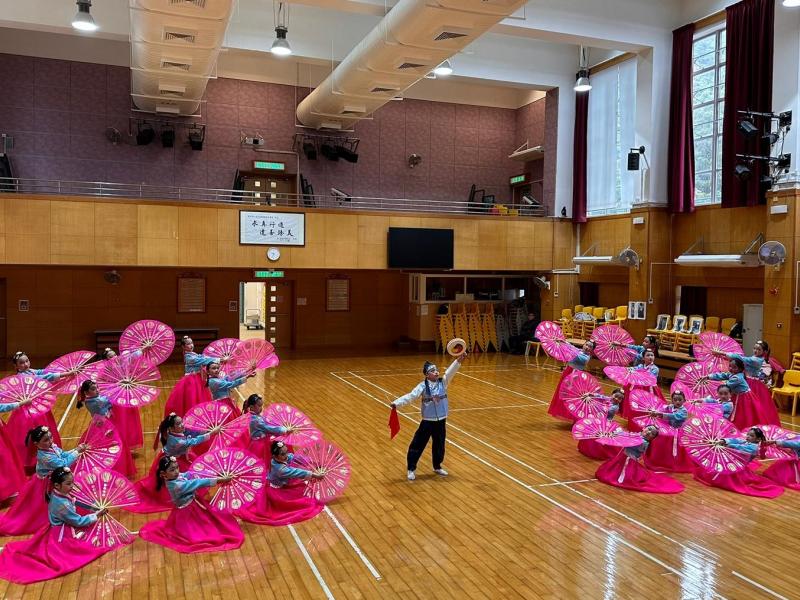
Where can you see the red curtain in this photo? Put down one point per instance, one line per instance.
(579, 157)
(748, 86)
(680, 169)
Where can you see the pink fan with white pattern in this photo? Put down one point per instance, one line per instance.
(693, 380)
(702, 436)
(223, 349)
(773, 432)
(72, 367)
(603, 431)
(210, 415)
(714, 348)
(642, 401)
(252, 355)
(611, 345)
(18, 388)
(698, 407)
(630, 376)
(246, 471)
(581, 394)
(554, 343)
(107, 490)
(104, 446)
(155, 339)
(326, 459)
(126, 381)
(302, 431)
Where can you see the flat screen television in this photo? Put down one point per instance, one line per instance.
(414, 248)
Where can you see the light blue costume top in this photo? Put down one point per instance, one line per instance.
(743, 446)
(652, 369)
(727, 407)
(639, 358)
(99, 405)
(40, 374)
(434, 406)
(259, 428)
(280, 473)
(791, 444)
(178, 444)
(737, 383)
(61, 511)
(579, 362)
(220, 386)
(636, 452)
(193, 362)
(182, 490)
(9, 407)
(612, 412)
(48, 461)
(676, 417)
(752, 364)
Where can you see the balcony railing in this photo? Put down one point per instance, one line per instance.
(255, 198)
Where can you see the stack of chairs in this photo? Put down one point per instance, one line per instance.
(489, 327)
(444, 329)
(460, 326)
(475, 327)
(501, 332)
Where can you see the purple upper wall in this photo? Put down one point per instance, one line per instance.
(58, 112)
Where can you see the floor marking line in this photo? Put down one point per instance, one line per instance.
(352, 542)
(496, 407)
(311, 564)
(758, 585)
(566, 482)
(66, 412)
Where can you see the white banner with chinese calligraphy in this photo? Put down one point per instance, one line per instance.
(272, 229)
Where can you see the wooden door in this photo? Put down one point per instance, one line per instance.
(279, 321)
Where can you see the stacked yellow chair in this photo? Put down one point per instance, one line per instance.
(460, 326)
(446, 330)
(489, 326)
(475, 327)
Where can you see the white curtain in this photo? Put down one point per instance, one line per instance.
(611, 134)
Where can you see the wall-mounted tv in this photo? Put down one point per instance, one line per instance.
(414, 248)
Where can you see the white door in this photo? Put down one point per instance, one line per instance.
(752, 323)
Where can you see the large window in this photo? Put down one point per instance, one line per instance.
(611, 188)
(708, 106)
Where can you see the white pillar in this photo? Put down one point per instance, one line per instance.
(786, 83)
(565, 150)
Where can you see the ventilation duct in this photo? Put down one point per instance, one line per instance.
(411, 40)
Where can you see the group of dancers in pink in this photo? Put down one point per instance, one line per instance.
(39, 477)
(684, 433)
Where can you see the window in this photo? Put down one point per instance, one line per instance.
(611, 134)
(708, 106)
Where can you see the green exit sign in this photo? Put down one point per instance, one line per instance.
(517, 179)
(268, 274)
(263, 165)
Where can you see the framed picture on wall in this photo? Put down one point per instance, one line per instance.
(337, 296)
(191, 294)
(637, 310)
(272, 228)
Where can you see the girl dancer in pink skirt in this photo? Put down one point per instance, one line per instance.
(192, 526)
(29, 514)
(593, 449)
(260, 431)
(758, 371)
(648, 364)
(785, 472)
(221, 386)
(57, 549)
(12, 476)
(579, 363)
(128, 419)
(101, 407)
(191, 389)
(282, 501)
(745, 403)
(626, 472)
(664, 452)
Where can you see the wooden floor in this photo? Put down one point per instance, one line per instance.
(519, 516)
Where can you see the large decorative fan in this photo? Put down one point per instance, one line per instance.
(155, 339)
(126, 381)
(17, 388)
(222, 349)
(303, 431)
(611, 345)
(693, 380)
(104, 446)
(208, 415)
(702, 436)
(105, 490)
(72, 367)
(324, 458)
(605, 432)
(643, 401)
(252, 355)
(554, 343)
(773, 432)
(663, 427)
(714, 349)
(581, 394)
(698, 407)
(630, 376)
(247, 472)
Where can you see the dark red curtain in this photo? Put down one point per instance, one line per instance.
(748, 86)
(579, 157)
(680, 169)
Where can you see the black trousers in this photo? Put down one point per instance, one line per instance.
(426, 429)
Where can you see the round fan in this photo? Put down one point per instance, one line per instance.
(605, 432)
(456, 347)
(693, 380)
(701, 436)
(773, 432)
(104, 446)
(771, 253)
(208, 415)
(222, 349)
(247, 472)
(697, 407)
(581, 394)
(643, 401)
(630, 376)
(155, 339)
(252, 355)
(714, 349)
(324, 458)
(73, 363)
(17, 388)
(303, 431)
(611, 345)
(105, 490)
(554, 343)
(125, 381)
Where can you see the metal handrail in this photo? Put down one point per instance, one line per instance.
(12, 185)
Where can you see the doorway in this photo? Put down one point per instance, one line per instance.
(267, 312)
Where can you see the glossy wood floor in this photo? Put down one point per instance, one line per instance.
(519, 516)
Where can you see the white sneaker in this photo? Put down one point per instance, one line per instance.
(411, 476)
(441, 472)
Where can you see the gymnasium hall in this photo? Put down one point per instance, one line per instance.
(420, 299)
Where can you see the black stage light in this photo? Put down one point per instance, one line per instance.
(742, 172)
(346, 154)
(196, 137)
(747, 127)
(310, 150)
(329, 152)
(167, 138)
(145, 135)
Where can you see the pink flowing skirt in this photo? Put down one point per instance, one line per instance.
(765, 406)
(51, 553)
(744, 482)
(785, 473)
(19, 423)
(28, 514)
(125, 465)
(195, 528)
(281, 506)
(12, 475)
(745, 410)
(666, 454)
(557, 408)
(625, 409)
(593, 449)
(627, 473)
(152, 500)
(189, 391)
(129, 424)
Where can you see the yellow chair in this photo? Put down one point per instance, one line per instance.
(712, 324)
(566, 313)
(790, 389)
(610, 315)
(795, 361)
(599, 312)
(578, 308)
(528, 345)
(683, 341)
(726, 325)
(589, 310)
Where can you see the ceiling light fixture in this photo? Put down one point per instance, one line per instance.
(444, 69)
(582, 83)
(791, 3)
(281, 47)
(83, 21)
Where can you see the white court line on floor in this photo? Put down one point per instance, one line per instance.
(66, 412)
(500, 387)
(759, 586)
(621, 539)
(311, 564)
(566, 482)
(353, 545)
(495, 407)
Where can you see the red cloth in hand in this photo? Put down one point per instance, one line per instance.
(394, 423)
